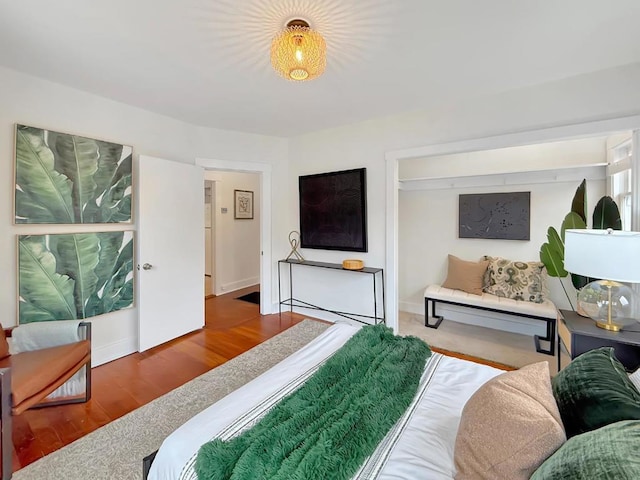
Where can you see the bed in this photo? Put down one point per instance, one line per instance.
(420, 445)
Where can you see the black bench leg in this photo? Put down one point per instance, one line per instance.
(550, 337)
(433, 314)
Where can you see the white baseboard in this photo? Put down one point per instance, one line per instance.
(411, 307)
(233, 286)
(113, 351)
(481, 318)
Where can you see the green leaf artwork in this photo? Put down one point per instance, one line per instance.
(67, 179)
(74, 276)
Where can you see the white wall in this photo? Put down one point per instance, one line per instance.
(237, 242)
(32, 101)
(607, 94)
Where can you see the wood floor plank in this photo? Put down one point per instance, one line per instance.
(231, 328)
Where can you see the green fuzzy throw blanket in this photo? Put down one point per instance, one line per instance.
(329, 426)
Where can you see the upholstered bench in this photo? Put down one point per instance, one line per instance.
(545, 311)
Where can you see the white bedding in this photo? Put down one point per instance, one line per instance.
(420, 445)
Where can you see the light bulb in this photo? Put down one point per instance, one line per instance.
(299, 55)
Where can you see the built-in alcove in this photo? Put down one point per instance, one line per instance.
(424, 184)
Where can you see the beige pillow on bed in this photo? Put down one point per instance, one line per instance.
(509, 426)
(465, 276)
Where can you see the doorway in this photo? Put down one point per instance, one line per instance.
(232, 243)
(209, 238)
(262, 204)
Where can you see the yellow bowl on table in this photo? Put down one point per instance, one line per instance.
(352, 264)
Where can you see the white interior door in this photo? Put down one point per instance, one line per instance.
(170, 250)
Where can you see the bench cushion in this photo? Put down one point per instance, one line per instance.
(546, 309)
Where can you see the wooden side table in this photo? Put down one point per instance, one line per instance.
(579, 334)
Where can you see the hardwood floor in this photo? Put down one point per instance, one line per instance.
(231, 328)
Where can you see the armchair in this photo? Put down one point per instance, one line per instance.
(27, 378)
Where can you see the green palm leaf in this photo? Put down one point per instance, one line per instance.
(105, 177)
(110, 154)
(551, 260)
(606, 215)
(77, 158)
(116, 201)
(77, 256)
(42, 289)
(113, 204)
(43, 195)
(32, 313)
(579, 203)
(552, 254)
(579, 281)
(110, 244)
(118, 291)
(115, 275)
(571, 221)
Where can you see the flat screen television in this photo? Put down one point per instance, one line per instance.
(333, 210)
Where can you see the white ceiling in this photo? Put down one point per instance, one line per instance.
(207, 61)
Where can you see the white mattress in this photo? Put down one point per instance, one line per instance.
(421, 445)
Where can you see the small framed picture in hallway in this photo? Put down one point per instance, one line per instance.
(243, 204)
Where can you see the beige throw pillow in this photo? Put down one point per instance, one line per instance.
(465, 276)
(509, 427)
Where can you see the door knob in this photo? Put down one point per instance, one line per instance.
(147, 266)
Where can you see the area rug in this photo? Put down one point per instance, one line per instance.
(115, 451)
(253, 297)
(498, 346)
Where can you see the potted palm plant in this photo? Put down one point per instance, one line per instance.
(605, 215)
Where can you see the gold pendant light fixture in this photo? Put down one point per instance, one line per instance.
(299, 53)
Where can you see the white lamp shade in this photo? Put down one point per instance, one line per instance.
(604, 254)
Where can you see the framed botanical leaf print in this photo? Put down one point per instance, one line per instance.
(74, 276)
(69, 179)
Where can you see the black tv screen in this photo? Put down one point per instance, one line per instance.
(333, 210)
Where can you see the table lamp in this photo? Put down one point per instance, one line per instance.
(612, 256)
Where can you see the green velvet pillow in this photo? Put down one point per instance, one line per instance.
(609, 453)
(593, 391)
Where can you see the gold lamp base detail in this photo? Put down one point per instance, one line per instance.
(612, 327)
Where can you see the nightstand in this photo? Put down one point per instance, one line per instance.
(579, 334)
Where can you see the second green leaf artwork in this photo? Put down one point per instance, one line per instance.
(68, 179)
(74, 276)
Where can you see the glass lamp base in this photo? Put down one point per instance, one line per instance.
(608, 303)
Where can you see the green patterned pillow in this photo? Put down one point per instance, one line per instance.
(594, 390)
(609, 453)
(516, 280)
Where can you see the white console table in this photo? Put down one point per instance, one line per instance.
(378, 316)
